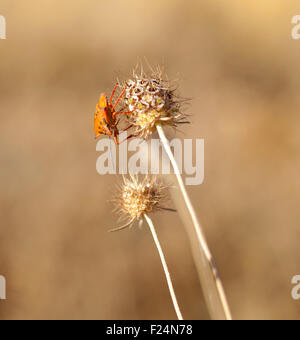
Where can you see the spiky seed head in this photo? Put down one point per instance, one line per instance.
(151, 99)
(138, 197)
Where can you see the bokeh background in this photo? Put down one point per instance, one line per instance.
(239, 64)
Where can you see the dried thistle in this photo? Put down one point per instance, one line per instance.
(138, 197)
(152, 99)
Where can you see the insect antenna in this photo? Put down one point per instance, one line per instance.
(116, 103)
(113, 93)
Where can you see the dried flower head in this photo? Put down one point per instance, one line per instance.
(151, 99)
(138, 197)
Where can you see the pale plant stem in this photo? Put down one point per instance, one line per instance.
(164, 263)
(202, 244)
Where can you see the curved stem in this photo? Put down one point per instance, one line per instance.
(164, 263)
(202, 244)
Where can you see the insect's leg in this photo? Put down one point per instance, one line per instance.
(113, 93)
(116, 140)
(121, 112)
(130, 126)
(131, 136)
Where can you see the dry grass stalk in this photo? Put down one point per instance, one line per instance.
(211, 283)
(135, 200)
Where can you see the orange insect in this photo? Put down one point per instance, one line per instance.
(105, 121)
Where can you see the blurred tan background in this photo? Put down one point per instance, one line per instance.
(239, 64)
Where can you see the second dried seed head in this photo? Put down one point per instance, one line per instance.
(137, 197)
(140, 197)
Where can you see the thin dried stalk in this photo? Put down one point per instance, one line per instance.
(211, 283)
(164, 263)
